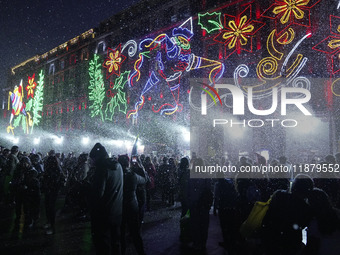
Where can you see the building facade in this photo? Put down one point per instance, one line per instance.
(142, 73)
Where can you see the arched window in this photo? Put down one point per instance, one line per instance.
(51, 69)
(101, 47)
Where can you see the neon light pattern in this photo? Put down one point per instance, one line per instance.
(138, 106)
(175, 51)
(331, 44)
(119, 100)
(267, 71)
(15, 98)
(31, 86)
(336, 87)
(96, 88)
(210, 22)
(153, 80)
(288, 12)
(114, 61)
(38, 101)
(132, 48)
(238, 31)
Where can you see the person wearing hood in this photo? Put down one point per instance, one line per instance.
(106, 202)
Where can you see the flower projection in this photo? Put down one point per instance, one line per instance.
(289, 12)
(238, 31)
(331, 44)
(31, 86)
(114, 61)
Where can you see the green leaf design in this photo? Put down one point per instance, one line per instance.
(210, 21)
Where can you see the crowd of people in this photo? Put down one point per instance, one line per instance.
(116, 191)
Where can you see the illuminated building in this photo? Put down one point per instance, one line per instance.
(150, 64)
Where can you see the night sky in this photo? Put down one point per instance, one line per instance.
(33, 27)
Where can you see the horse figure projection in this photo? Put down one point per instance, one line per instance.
(166, 59)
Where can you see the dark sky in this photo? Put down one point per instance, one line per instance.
(33, 27)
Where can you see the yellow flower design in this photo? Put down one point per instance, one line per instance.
(238, 33)
(31, 86)
(114, 61)
(289, 7)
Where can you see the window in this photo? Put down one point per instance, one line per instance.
(73, 59)
(84, 54)
(101, 47)
(51, 69)
(62, 64)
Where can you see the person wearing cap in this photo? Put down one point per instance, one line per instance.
(106, 202)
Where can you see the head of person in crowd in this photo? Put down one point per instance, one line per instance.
(283, 160)
(5, 152)
(35, 158)
(243, 161)
(25, 163)
(155, 160)
(142, 157)
(52, 162)
(198, 162)
(15, 150)
(330, 159)
(326, 216)
(337, 157)
(260, 159)
(82, 159)
(302, 186)
(171, 161)
(98, 153)
(165, 160)
(184, 163)
(124, 161)
(51, 153)
(148, 160)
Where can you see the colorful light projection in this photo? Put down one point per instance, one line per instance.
(26, 113)
(31, 86)
(289, 12)
(210, 21)
(331, 46)
(118, 100)
(237, 32)
(281, 67)
(38, 101)
(114, 61)
(171, 56)
(96, 88)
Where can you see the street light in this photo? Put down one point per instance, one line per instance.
(36, 140)
(85, 140)
(59, 140)
(15, 140)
